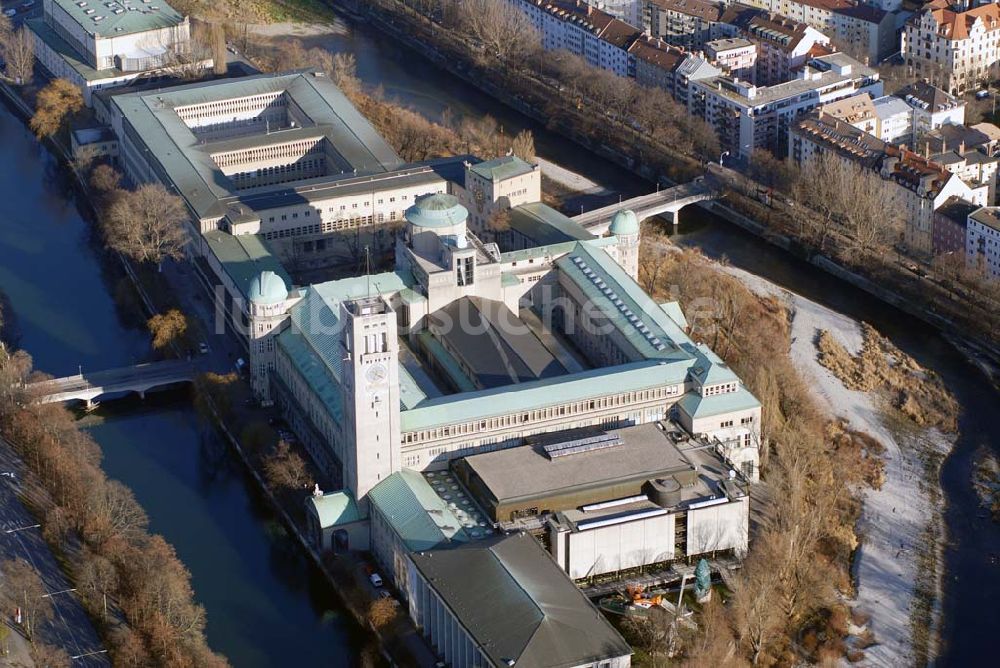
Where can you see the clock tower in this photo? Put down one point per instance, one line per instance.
(370, 390)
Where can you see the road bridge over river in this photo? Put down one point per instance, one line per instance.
(140, 378)
(665, 201)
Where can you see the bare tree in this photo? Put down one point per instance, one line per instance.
(147, 224)
(23, 588)
(218, 41)
(285, 468)
(168, 328)
(19, 53)
(56, 103)
(503, 31)
(523, 145)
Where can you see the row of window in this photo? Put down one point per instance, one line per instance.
(239, 105)
(552, 412)
(294, 150)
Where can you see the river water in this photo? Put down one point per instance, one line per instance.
(260, 595)
(972, 573)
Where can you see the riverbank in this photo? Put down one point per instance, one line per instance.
(897, 568)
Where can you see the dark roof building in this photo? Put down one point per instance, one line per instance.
(504, 602)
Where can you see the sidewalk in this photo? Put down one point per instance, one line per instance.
(18, 653)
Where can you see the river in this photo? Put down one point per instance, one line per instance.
(972, 576)
(260, 596)
(264, 601)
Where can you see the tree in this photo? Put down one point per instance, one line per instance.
(105, 179)
(147, 225)
(18, 50)
(503, 31)
(382, 612)
(286, 469)
(771, 171)
(6, 30)
(23, 588)
(523, 145)
(15, 367)
(218, 40)
(56, 103)
(47, 656)
(168, 328)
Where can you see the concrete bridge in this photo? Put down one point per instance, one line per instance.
(665, 201)
(140, 378)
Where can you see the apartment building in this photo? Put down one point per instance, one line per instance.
(858, 110)
(956, 50)
(582, 29)
(950, 222)
(866, 32)
(783, 46)
(932, 107)
(656, 63)
(735, 56)
(685, 23)
(629, 11)
(982, 242)
(819, 14)
(895, 120)
(917, 185)
(748, 117)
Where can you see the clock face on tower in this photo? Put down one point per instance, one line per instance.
(376, 373)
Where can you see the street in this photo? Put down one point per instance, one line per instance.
(69, 628)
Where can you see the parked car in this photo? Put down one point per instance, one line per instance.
(982, 94)
(9, 12)
(203, 348)
(384, 594)
(375, 579)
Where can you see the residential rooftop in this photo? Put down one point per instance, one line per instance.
(988, 216)
(826, 71)
(923, 95)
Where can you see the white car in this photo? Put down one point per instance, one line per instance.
(375, 579)
(9, 12)
(203, 348)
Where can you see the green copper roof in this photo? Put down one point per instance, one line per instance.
(624, 222)
(437, 210)
(122, 17)
(675, 313)
(697, 406)
(503, 168)
(317, 375)
(335, 508)
(543, 225)
(415, 512)
(267, 288)
(591, 384)
(244, 257)
(621, 300)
